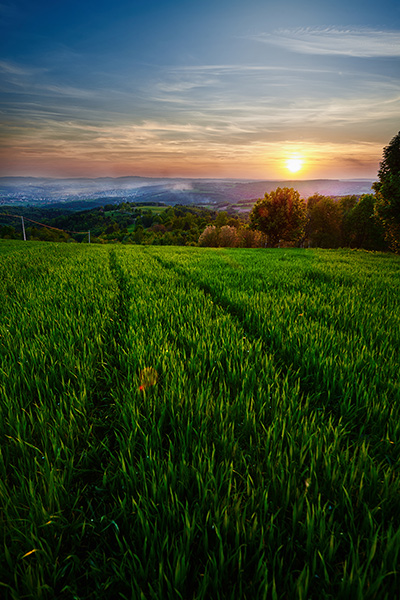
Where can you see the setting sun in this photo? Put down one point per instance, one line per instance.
(294, 164)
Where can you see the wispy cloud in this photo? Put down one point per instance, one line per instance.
(363, 43)
(11, 68)
(231, 116)
(238, 69)
(259, 104)
(221, 103)
(66, 90)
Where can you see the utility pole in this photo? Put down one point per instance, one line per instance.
(89, 237)
(23, 228)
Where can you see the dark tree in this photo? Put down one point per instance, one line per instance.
(365, 231)
(323, 225)
(387, 191)
(346, 205)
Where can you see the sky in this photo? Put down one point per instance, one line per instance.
(252, 89)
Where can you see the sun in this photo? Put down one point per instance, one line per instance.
(294, 164)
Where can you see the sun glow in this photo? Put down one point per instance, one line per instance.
(294, 164)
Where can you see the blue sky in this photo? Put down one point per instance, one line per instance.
(211, 89)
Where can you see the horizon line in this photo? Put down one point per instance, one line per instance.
(184, 178)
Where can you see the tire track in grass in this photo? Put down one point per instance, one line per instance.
(237, 314)
(270, 342)
(326, 400)
(66, 487)
(362, 491)
(108, 367)
(317, 399)
(162, 470)
(315, 446)
(195, 445)
(98, 467)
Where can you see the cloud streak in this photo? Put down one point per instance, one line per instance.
(203, 117)
(362, 43)
(11, 68)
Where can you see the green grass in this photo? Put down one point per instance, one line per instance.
(262, 461)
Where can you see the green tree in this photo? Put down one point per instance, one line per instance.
(280, 215)
(221, 219)
(8, 232)
(346, 205)
(138, 234)
(387, 191)
(323, 225)
(364, 229)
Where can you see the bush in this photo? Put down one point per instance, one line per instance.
(228, 237)
(209, 237)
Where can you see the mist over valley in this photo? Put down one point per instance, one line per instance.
(79, 193)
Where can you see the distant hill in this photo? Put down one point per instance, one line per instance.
(216, 193)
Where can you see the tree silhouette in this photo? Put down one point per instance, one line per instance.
(387, 191)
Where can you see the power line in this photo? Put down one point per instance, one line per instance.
(42, 224)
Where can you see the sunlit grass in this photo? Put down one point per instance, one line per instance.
(195, 423)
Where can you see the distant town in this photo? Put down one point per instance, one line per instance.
(219, 194)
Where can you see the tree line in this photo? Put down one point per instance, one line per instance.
(125, 223)
(371, 221)
(320, 221)
(281, 218)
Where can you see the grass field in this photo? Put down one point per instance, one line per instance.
(199, 423)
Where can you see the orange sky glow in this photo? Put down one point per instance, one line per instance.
(253, 162)
(213, 89)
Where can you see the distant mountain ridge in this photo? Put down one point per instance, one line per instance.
(207, 192)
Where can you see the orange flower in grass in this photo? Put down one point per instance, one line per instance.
(148, 377)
